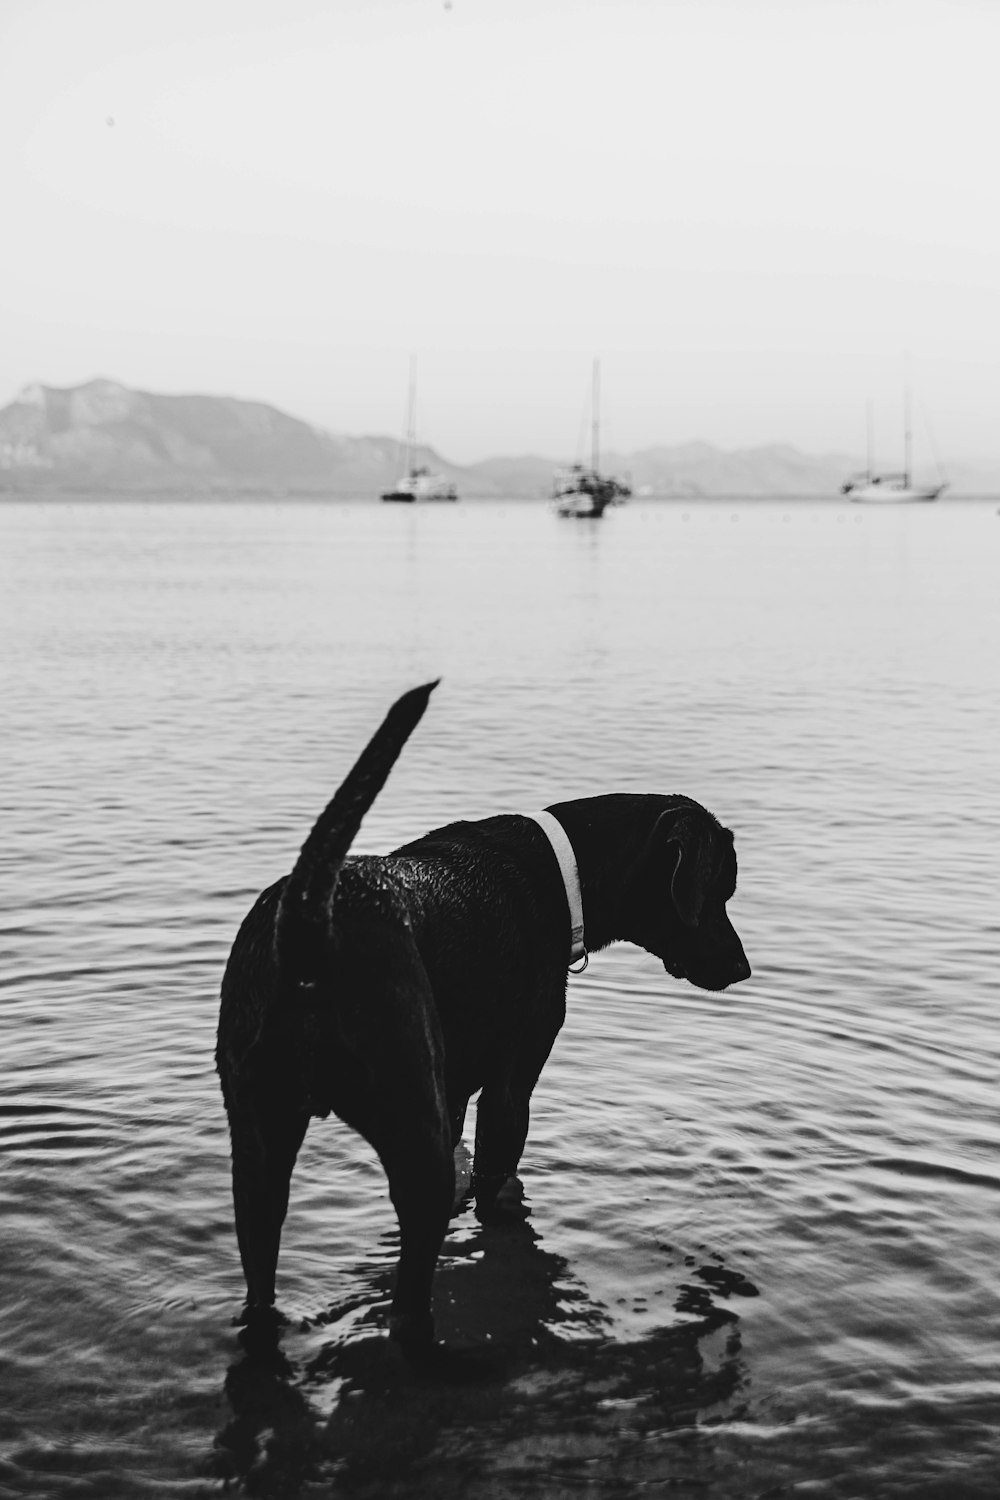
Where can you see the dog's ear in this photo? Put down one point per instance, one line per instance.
(687, 847)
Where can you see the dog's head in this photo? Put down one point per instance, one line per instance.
(686, 875)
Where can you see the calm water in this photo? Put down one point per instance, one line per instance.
(760, 1239)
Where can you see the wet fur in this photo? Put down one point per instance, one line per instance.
(389, 990)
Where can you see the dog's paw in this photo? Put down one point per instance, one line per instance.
(499, 1200)
(412, 1331)
(261, 1326)
(254, 1314)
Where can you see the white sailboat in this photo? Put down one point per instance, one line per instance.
(874, 488)
(417, 482)
(586, 492)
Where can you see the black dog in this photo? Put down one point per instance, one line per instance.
(390, 990)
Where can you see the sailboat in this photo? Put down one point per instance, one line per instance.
(586, 492)
(418, 482)
(876, 488)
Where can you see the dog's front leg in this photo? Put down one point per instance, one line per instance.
(502, 1117)
(504, 1108)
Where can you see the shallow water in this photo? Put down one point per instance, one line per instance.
(759, 1235)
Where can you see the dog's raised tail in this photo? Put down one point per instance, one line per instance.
(302, 927)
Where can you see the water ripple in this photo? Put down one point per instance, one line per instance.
(759, 1230)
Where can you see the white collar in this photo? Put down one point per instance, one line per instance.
(563, 851)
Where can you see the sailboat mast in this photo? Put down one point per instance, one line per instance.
(871, 441)
(411, 418)
(907, 434)
(595, 418)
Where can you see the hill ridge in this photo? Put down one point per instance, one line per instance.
(104, 434)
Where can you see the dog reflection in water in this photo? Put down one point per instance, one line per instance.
(529, 1366)
(389, 990)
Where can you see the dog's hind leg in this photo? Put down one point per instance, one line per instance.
(266, 1136)
(402, 1107)
(421, 1173)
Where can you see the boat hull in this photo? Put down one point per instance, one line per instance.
(582, 507)
(422, 488)
(892, 494)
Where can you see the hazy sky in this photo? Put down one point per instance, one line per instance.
(750, 209)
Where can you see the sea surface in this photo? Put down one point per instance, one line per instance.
(757, 1243)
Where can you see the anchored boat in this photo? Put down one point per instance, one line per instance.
(876, 488)
(586, 492)
(417, 482)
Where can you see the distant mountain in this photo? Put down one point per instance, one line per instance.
(775, 469)
(691, 470)
(701, 469)
(524, 476)
(103, 435)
